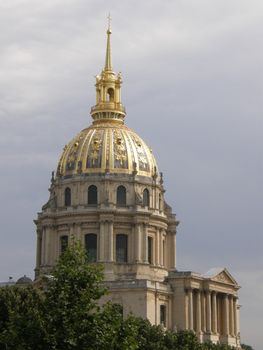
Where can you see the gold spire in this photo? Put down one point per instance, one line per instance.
(108, 65)
(108, 90)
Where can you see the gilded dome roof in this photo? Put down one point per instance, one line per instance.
(107, 147)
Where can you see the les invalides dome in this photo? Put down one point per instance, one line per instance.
(108, 194)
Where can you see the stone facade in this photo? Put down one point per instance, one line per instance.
(108, 193)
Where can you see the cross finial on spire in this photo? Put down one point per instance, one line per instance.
(109, 21)
(108, 65)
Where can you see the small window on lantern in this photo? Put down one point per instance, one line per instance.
(110, 95)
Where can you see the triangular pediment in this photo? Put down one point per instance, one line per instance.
(220, 275)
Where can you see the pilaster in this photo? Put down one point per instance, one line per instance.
(138, 239)
(102, 241)
(110, 232)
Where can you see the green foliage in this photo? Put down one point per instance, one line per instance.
(246, 347)
(21, 318)
(211, 346)
(71, 300)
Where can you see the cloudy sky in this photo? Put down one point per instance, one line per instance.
(193, 87)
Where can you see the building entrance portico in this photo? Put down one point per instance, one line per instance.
(210, 305)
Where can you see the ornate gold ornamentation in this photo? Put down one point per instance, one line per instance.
(120, 151)
(142, 158)
(95, 148)
(72, 156)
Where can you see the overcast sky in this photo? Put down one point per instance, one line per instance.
(193, 88)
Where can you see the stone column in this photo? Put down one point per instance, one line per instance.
(198, 312)
(110, 233)
(214, 313)
(203, 305)
(235, 315)
(226, 314)
(138, 242)
(132, 243)
(186, 309)
(164, 250)
(231, 315)
(157, 247)
(190, 309)
(208, 311)
(174, 251)
(102, 241)
(161, 248)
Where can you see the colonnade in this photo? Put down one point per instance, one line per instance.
(162, 244)
(211, 312)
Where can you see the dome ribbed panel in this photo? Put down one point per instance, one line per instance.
(107, 147)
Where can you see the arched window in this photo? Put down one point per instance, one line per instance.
(63, 243)
(91, 246)
(121, 196)
(110, 95)
(146, 198)
(92, 195)
(67, 197)
(121, 248)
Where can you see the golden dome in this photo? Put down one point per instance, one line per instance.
(107, 147)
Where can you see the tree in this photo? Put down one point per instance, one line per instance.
(71, 301)
(211, 346)
(246, 347)
(64, 314)
(21, 319)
